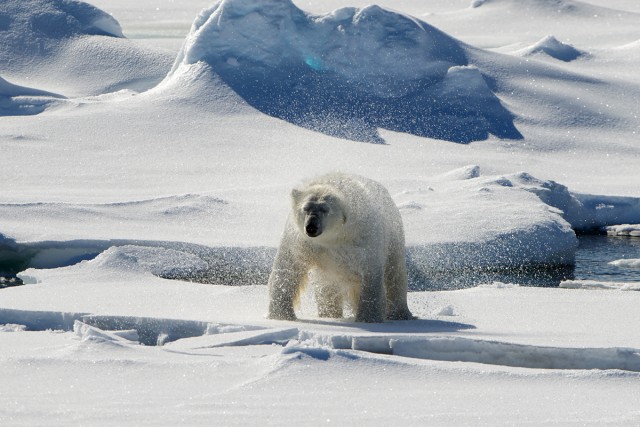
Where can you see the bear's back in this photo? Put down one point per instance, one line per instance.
(367, 199)
(354, 185)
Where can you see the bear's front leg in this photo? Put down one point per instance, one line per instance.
(283, 289)
(285, 283)
(372, 303)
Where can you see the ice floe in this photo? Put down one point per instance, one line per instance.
(626, 263)
(603, 285)
(632, 230)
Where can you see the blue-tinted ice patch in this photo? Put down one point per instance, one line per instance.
(314, 63)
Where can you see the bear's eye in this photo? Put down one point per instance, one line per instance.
(313, 208)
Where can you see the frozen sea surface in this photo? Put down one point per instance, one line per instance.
(112, 184)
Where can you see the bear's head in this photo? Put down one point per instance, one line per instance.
(318, 212)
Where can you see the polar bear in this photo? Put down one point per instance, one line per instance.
(344, 234)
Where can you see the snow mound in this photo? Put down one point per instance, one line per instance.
(46, 20)
(161, 262)
(514, 220)
(38, 28)
(463, 173)
(198, 85)
(348, 72)
(548, 8)
(74, 48)
(12, 327)
(554, 48)
(230, 266)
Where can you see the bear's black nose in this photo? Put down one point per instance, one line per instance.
(312, 228)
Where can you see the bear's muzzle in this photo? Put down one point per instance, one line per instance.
(312, 226)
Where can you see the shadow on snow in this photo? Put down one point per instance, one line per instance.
(331, 104)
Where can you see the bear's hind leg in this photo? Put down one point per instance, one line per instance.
(371, 304)
(395, 283)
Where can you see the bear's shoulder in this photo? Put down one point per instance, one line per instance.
(348, 184)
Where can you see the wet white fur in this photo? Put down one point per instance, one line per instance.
(359, 259)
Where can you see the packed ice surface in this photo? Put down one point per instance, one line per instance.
(220, 355)
(106, 194)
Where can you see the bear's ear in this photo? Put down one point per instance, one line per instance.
(296, 196)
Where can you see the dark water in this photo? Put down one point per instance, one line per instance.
(8, 280)
(595, 252)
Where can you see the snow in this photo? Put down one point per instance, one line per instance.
(18, 100)
(148, 152)
(554, 48)
(592, 284)
(623, 229)
(12, 328)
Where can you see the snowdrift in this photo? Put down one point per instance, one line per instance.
(16, 100)
(564, 9)
(346, 73)
(554, 48)
(73, 48)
